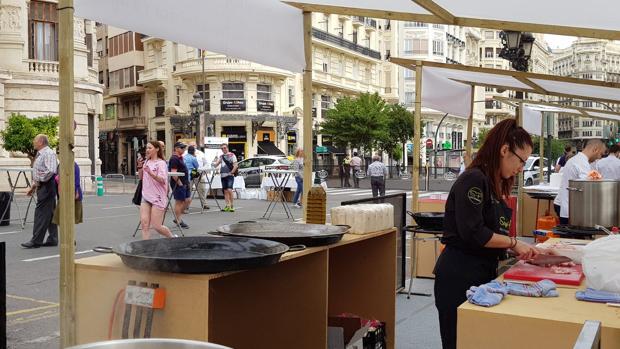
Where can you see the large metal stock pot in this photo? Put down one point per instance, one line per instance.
(594, 202)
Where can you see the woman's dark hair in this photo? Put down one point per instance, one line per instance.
(160, 151)
(488, 157)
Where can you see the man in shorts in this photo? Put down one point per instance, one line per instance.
(180, 184)
(228, 160)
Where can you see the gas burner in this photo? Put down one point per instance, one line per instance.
(571, 231)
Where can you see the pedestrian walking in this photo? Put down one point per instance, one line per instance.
(179, 185)
(356, 165)
(154, 175)
(298, 165)
(228, 170)
(192, 171)
(346, 164)
(377, 172)
(44, 167)
(203, 164)
(78, 215)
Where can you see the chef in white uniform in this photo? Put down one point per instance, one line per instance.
(578, 167)
(609, 167)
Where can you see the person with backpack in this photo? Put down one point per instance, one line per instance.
(228, 160)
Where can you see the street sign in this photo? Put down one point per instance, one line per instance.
(429, 144)
(321, 150)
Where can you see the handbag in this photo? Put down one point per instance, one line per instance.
(137, 196)
(229, 165)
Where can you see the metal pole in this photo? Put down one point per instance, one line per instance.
(417, 116)
(549, 137)
(203, 117)
(470, 126)
(541, 144)
(435, 146)
(3, 294)
(67, 180)
(520, 179)
(307, 117)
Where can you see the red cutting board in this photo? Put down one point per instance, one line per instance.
(529, 272)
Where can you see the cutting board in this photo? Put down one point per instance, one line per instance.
(528, 272)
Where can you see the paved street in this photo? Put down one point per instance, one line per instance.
(32, 275)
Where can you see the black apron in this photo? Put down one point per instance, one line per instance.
(457, 270)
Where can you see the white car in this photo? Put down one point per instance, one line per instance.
(531, 170)
(252, 168)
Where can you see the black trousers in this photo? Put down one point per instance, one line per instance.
(356, 181)
(455, 273)
(377, 183)
(43, 214)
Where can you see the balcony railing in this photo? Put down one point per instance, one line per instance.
(44, 67)
(336, 40)
(151, 75)
(218, 64)
(132, 122)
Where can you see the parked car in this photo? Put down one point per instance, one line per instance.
(531, 170)
(252, 168)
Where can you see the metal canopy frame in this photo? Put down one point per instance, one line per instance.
(438, 15)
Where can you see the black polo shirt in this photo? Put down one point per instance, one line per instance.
(177, 163)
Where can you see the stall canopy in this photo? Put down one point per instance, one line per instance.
(237, 28)
(552, 107)
(539, 16)
(440, 90)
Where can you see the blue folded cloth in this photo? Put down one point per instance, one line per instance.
(542, 288)
(492, 293)
(592, 295)
(486, 295)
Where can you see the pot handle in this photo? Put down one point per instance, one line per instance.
(102, 249)
(345, 227)
(574, 189)
(296, 248)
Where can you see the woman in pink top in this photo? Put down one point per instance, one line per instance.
(154, 175)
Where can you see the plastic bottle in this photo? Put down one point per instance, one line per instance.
(316, 203)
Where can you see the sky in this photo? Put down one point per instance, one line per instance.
(559, 41)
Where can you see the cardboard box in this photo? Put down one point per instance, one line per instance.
(288, 196)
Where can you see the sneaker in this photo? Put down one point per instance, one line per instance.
(226, 209)
(231, 209)
(297, 206)
(206, 207)
(183, 225)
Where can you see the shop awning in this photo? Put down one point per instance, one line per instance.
(269, 148)
(336, 151)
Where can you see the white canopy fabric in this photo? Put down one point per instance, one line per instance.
(574, 18)
(532, 120)
(266, 31)
(604, 116)
(445, 87)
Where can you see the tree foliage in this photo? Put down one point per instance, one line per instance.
(21, 130)
(557, 145)
(356, 122)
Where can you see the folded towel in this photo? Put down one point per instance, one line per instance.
(543, 288)
(483, 296)
(591, 295)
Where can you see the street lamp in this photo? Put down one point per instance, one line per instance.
(517, 48)
(197, 107)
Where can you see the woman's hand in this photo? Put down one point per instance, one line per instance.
(146, 169)
(525, 251)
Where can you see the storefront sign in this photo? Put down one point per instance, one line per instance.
(291, 137)
(265, 106)
(232, 105)
(215, 142)
(321, 150)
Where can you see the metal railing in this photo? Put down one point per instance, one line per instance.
(336, 40)
(116, 175)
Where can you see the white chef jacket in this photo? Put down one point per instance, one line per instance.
(577, 167)
(609, 167)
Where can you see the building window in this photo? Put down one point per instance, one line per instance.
(291, 96)
(110, 111)
(263, 92)
(489, 34)
(587, 104)
(587, 76)
(131, 107)
(408, 46)
(355, 36)
(438, 26)
(205, 94)
(326, 103)
(409, 99)
(420, 46)
(599, 134)
(233, 90)
(438, 47)
(586, 134)
(101, 78)
(99, 48)
(598, 123)
(497, 51)
(43, 31)
(489, 89)
(488, 52)
(325, 68)
(409, 74)
(415, 25)
(178, 96)
(122, 43)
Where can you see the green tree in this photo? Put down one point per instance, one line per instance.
(21, 130)
(356, 122)
(398, 130)
(482, 136)
(557, 147)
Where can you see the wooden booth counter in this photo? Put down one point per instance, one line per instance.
(285, 305)
(526, 322)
